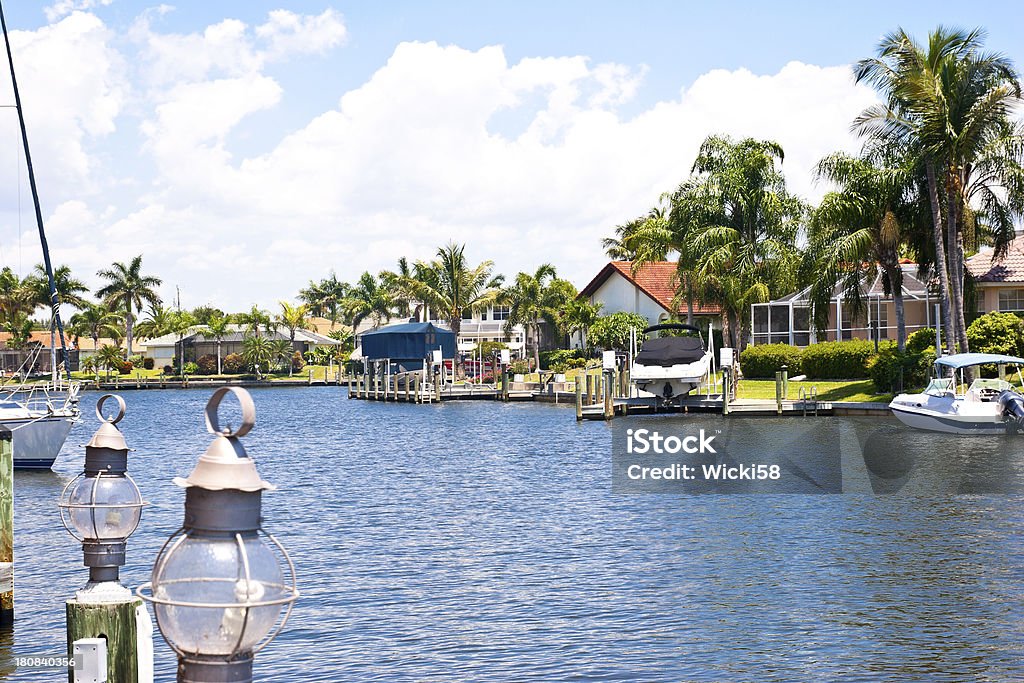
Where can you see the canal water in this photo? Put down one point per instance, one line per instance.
(483, 542)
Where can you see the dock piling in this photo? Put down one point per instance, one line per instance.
(579, 399)
(6, 529)
(609, 404)
(778, 391)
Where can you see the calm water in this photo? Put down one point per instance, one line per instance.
(481, 542)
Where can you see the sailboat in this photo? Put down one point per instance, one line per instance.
(38, 417)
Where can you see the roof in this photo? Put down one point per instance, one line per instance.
(1010, 268)
(657, 280)
(40, 337)
(963, 360)
(237, 333)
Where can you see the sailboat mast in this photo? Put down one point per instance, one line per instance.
(54, 303)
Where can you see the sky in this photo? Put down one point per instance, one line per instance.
(246, 148)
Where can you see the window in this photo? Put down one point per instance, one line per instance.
(1011, 300)
(801, 325)
(882, 314)
(499, 313)
(760, 315)
(467, 313)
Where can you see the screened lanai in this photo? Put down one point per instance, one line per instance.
(788, 320)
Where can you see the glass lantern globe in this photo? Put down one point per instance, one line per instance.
(220, 595)
(101, 507)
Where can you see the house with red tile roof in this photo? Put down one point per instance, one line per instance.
(650, 291)
(999, 282)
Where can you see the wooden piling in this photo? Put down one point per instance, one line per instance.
(609, 404)
(116, 623)
(350, 387)
(778, 392)
(726, 390)
(437, 386)
(579, 399)
(394, 380)
(506, 377)
(408, 388)
(6, 529)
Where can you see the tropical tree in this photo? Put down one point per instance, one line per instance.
(746, 240)
(533, 298)
(20, 328)
(623, 246)
(204, 314)
(257, 351)
(859, 229)
(282, 353)
(292, 318)
(577, 317)
(95, 321)
(159, 321)
(15, 296)
(217, 327)
(614, 331)
(255, 319)
(325, 298)
(109, 357)
(69, 289)
(369, 298)
(182, 323)
(127, 289)
(949, 102)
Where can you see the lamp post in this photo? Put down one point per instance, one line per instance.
(218, 586)
(101, 508)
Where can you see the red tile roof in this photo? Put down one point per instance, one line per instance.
(657, 280)
(42, 337)
(1008, 269)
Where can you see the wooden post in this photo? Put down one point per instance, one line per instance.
(6, 529)
(785, 382)
(615, 381)
(506, 377)
(116, 623)
(437, 386)
(590, 388)
(416, 388)
(350, 387)
(311, 377)
(579, 399)
(609, 404)
(408, 387)
(778, 392)
(726, 390)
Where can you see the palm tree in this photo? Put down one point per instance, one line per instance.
(292, 318)
(326, 297)
(449, 285)
(859, 228)
(257, 351)
(577, 316)
(20, 329)
(533, 298)
(217, 327)
(254, 319)
(181, 323)
(95, 321)
(368, 298)
(281, 353)
(749, 221)
(69, 289)
(127, 288)
(158, 322)
(109, 358)
(949, 102)
(15, 296)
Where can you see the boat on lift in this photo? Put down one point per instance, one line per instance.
(987, 406)
(671, 367)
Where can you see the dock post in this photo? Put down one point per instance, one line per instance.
(785, 382)
(726, 390)
(579, 399)
(609, 404)
(505, 377)
(350, 387)
(119, 624)
(416, 388)
(6, 529)
(778, 392)
(311, 377)
(437, 386)
(395, 387)
(408, 388)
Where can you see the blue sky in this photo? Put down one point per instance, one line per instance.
(246, 148)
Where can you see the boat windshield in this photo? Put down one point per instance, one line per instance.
(940, 386)
(988, 389)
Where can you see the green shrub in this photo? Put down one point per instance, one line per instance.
(125, 368)
(564, 359)
(612, 331)
(997, 333)
(893, 371)
(297, 361)
(767, 359)
(233, 363)
(838, 360)
(191, 368)
(168, 370)
(148, 363)
(207, 364)
(918, 342)
(519, 367)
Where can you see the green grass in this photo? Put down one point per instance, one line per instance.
(851, 390)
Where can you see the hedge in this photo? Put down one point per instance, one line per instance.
(838, 360)
(767, 359)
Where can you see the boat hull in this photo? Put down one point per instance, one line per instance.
(951, 424)
(674, 381)
(37, 442)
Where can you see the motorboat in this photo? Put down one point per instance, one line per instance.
(987, 406)
(671, 367)
(39, 418)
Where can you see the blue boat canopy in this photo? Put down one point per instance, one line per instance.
(407, 341)
(963, 360)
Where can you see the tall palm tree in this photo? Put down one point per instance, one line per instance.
(749, 222)
(159, 321)
(257, 351)
(326, 298)
(292, 318)
(859, 228)
(95, 321)
(533, 298)
(449, 285)
(282, 353)
(950, 102)
(254, 319)
(15, 296)
(69, 288)
(127, 289)
(217, 327)
(368, 298)
(577, 316)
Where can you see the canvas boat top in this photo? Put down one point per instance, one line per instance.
(669, 351)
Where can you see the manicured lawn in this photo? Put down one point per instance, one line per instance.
(851, 390)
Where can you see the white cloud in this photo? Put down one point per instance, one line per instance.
(62, 8)
(527, 162)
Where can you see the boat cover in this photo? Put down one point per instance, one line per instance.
(669, 351)
(963, 360)
(407, 341)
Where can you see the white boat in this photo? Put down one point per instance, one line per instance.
(988, 406)
(671, 367)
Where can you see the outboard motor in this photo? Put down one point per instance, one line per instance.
(1013, 407)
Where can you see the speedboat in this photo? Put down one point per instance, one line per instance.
(988, 406)
(39, 419)
(671, 367)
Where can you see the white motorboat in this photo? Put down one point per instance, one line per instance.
(671, 367)
(988, 406)
(39, 419)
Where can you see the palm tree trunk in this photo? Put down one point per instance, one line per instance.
(219, 369)
(940, 256)
(128, 324)
(955, 255)
(689, 301)
(895, 274)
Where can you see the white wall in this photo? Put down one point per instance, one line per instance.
(617, 294)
